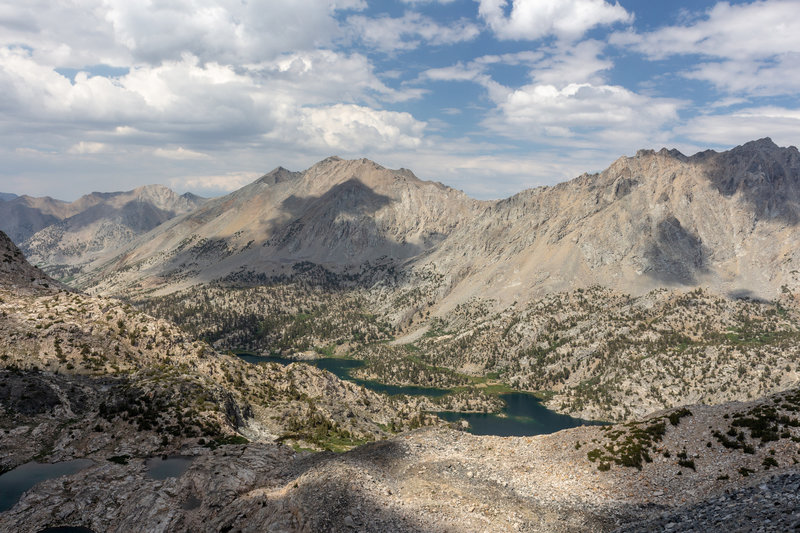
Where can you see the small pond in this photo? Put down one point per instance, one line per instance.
(171, 466)
(14, 483)
(524, 414)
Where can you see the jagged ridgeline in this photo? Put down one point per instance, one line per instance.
(727, 221)
(63, 236)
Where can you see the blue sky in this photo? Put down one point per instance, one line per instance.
(488, 96)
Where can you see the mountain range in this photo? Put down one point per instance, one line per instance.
(727, 221)
(63, 235)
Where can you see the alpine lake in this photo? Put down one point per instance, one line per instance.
(523, 414)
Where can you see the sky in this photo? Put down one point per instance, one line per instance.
(487, 96)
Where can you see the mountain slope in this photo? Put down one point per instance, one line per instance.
(23, 216)
(17, 274)
(146, 387)
(660, 219)
(341, 214)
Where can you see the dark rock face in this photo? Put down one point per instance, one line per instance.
(27, 394)
(675, 253)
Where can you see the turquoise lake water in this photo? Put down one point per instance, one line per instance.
(524, 414)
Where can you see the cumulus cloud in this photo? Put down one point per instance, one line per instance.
(120, 32)
(228, 32)
(582, 115)
(409, 31)
(534, 19)
(186, 101)
(355, 128)
(568, 100)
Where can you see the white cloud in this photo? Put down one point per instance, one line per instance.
(568, 101)
(179, 153)
(183, 102)
(583, 115)
(534, 19)
(409, 31)
(351, 128)
(120, 32)
(323, 76)
(756, 30)
(752, 48)
(225, 32)
(731, 129)
(775, 76)
(473, 72)
(87, 147)
(576, 63)
(217, 183)
(526, 57)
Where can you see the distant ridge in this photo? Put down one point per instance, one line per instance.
(66, 235)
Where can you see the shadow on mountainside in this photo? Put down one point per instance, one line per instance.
(675, 255)
(766, 176)
(340, 226)
(339, 495)
(136, 215)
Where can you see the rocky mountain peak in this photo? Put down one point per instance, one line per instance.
(278, 175)
(334, 171)
(761, 144)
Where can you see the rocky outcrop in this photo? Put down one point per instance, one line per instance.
(132, 384)
(17, 274)
(658, 219)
